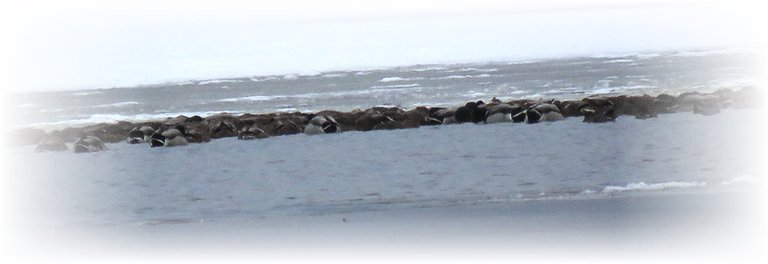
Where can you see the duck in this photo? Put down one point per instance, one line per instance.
(532, 116)
(286, 127)
(140, 134)
(480, 113)
(542, 112)
(89, 144)
(432, 117)
(223, 129)
(441, 115)
(197, 132)
(463, 114)
(372, 119)
(598, 110)
(549, 112)
(500, 113)
(169, 138)
(321, 125)
(251, 132)
(471, 112)
(54, 141)
(706, 105)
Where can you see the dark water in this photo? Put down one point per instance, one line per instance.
(567, 78)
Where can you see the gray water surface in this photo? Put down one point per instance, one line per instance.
(407, 87)
(413, 168)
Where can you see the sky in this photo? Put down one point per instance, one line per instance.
(90, 44)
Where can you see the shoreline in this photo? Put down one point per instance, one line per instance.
(594, 109)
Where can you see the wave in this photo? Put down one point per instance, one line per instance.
(27, 106)
(740, 179)
(250, 98)
(114, 118)
(391, 79)
(461, 77)
(474, 94)
(334, 75)
(646, 56)
(373, 90)
(54, 110)
(399, 79)
(689, 53)
(473, 70)
(120, 104)
(410, 86)
(352, 93)
(86, 93)
(286, 109)
(290, 77)
(642, 186)
(219, 81)
(523, 62)
(432, 68)
(619, 61)
(566, 90)
(702, 53)
(737, 82)
(617, 89)
(533, 96)
(579, 62)
(307, 74)
(395, 86)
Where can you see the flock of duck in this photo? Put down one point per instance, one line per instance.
(182, 130)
